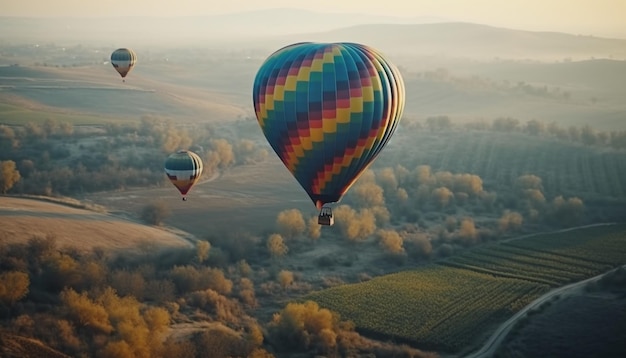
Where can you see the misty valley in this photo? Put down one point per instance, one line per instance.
(501, 194)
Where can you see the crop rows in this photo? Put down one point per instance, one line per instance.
(499, 158)
(553, 269)
(449, 305)
(431, 305)
(604, 245)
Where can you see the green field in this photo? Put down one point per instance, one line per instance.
(454, 304)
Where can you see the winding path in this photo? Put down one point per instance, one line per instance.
(489, 348)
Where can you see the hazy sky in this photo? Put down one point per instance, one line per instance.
(587, 17)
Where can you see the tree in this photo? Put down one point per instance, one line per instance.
(442, 196)
(13, 286)
(467, 231)
(9, 175)
(510, 220)
(285, 278)
(290, 223)
(202, 250)
(305, 325)
(314, 230)
(368, 194)
(85, 311)
(276, 245)
(390, 241)
(355, 226)
(155, 213)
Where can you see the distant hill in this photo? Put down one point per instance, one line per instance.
(471, 41)
(96, 90)
(262, 28)
(186, 29)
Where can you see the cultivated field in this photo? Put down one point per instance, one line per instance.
(453, 305)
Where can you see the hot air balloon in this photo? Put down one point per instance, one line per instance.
(123, 60)
(327, 110)
(184, 169)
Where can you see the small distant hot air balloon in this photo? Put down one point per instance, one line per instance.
(327, 110)
(184, 169)
(123, 60)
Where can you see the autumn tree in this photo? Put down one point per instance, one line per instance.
(528, 181)
(224, 152)
(368, 194)
(128, 283)
(387, 180)
(467, 231)
(305, 326)
(290, 223)
(424, 176)
(314, 230)
(85, 311)
(390, 241)
(417, 243)
(202, 250)
(285, 278)
(442, 196)
(9, 175)
(155, 213)
(355, 226)
(510, 221)
(246, 292)
(13, 286)
(567, 211)
(276, 246)
(468, 183)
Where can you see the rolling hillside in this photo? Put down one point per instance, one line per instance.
(24, 218)
(97, 91)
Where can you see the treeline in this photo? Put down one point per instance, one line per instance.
(420, 214)
(59, 158)
(482, 83)
(586, 134)
(100, 304)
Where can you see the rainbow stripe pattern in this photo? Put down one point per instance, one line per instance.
(327, 110)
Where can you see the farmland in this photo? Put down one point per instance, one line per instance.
(452, 304)
(515, 147)
(565, 168)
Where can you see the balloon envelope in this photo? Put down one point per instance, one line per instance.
(183, 169)
(327, 110)
(123, 60)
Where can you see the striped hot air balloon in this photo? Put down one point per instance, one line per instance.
(327, 110)
(183, 169)
(123, 60)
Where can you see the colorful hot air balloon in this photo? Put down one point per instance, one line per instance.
(184, 169)
(123, 60)
(327, 110)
